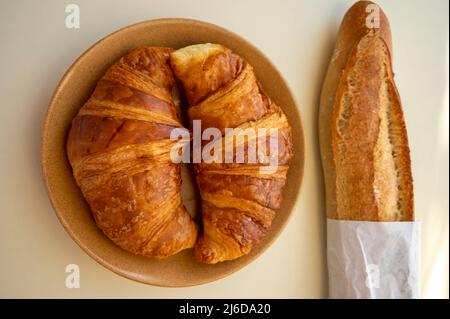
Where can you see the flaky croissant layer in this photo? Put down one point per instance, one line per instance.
(119, 146)
(238, 200)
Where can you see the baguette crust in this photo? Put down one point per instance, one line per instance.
(363, 139)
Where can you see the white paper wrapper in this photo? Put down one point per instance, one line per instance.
(373, 259)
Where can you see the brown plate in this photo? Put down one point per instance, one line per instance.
(67, 200)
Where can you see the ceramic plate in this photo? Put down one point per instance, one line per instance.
(67, 200)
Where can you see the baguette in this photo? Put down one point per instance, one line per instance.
(363, 139)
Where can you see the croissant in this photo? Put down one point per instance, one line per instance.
(119, 146)
(238, 199)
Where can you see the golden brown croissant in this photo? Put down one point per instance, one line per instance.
(119, 146)
(238, 200)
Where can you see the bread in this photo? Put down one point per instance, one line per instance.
(238, 199)
(119, 146)
(363, 139)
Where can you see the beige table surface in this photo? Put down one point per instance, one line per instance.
(297, 35)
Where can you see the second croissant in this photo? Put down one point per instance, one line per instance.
(238, 199)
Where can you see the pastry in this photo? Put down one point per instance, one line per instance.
(239, 198)
(119, 148)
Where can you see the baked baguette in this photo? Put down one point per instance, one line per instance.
(238, 200)
(119, 146)
(363, 139)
